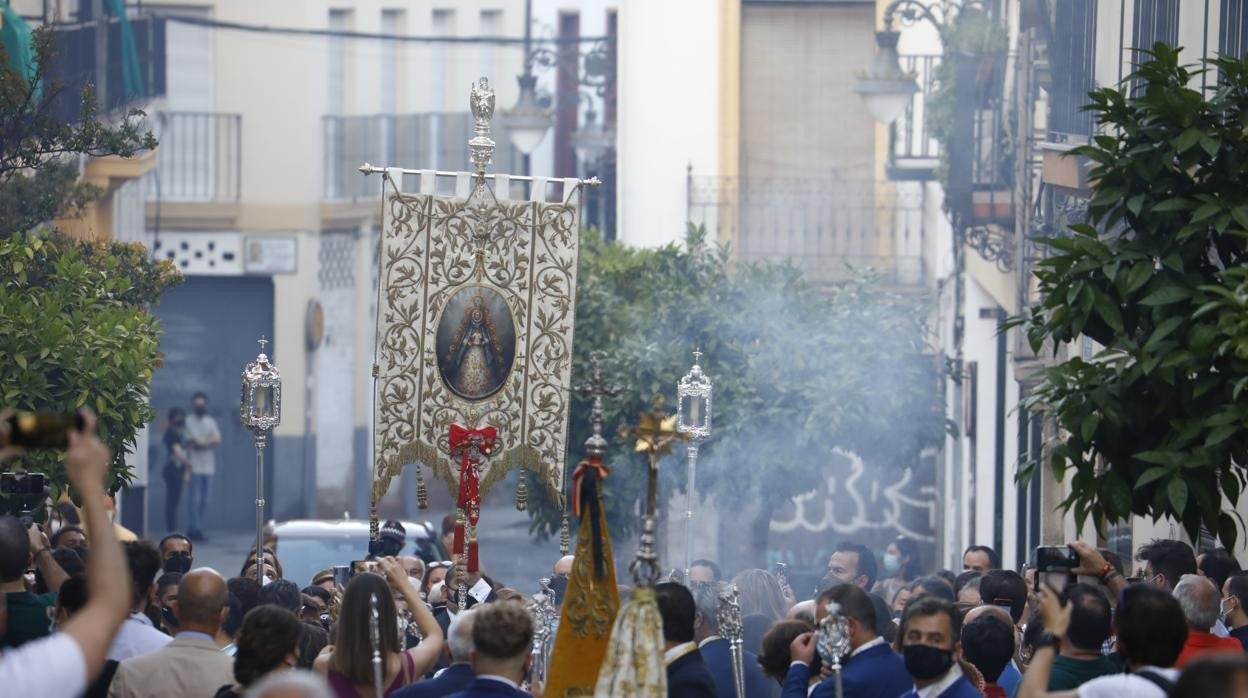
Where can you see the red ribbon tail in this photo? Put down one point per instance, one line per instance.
(472, 556)
(458, 545)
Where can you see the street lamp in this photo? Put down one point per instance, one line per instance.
(886, 89)
(592, 140)
(260, 409)
(527, 122)
(693, 421)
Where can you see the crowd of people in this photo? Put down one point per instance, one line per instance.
(88, 614)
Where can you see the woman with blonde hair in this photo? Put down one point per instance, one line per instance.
(760, 594)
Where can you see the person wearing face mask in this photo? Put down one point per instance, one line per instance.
(1234, 591)
(166, 594)
(177, 470)
(901, 566)
(872, 669)
(850, 563)
(930, 647)
(137, 635)
(177, 553)
(203, 437)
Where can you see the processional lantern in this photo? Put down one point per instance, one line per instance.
(260, 410)
(693, 422)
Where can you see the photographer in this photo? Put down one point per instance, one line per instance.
(63, 664)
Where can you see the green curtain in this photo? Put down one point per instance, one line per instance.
(16, 38)
(131, 75)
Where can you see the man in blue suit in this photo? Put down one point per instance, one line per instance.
(687, 675)
(716, 652)
(502, 638)
(929, 637)
(872, 669)
(459, 674)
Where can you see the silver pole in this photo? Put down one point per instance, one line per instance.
(260, 442)
(689, 495)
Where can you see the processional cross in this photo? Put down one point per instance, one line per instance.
(655, 432)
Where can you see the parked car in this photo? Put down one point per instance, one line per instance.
(307, 546)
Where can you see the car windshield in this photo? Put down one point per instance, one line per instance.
(302, 556)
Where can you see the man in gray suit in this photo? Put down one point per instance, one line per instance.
(192, 665)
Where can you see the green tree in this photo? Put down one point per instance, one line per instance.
(77, 328)
(797, 371)
(1154, 424)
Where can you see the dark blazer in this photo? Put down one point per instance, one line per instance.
(481, 688)
(688, 677)
(457, 677)
(960, 689)
(878, 672)
(718, 658)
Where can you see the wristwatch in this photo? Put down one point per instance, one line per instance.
(1045, 639)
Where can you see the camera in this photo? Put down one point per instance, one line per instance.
(21, 494)
(1054, 565)
(38, 431)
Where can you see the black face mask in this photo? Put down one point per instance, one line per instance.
(179, 562)
(166, 615)
(924, 662)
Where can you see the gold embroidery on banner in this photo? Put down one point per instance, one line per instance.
(430, 248)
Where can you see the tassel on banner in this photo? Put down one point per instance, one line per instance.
(422, 495)
(460, 521)
(522, 493)
(565, 536)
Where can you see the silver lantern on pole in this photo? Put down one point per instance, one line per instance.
(693, 421)
(260, 409)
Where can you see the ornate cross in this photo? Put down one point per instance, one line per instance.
(263, 342)
(597, 387)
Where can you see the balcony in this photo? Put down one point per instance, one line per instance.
(913, 154)
(426, 141)
(199, 158)
(129, 83)
(826, 228)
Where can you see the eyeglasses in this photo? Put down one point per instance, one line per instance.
(441, 565)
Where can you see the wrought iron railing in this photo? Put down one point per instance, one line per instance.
(432, 141)
(199, 158)
(828, 228)
(913, 152)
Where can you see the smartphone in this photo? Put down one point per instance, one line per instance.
(342, 575)
(1054, 565)
(23, 484)
(359, 566)
(40, 431)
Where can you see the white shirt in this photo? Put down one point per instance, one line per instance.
(500, 679)
(51, 667)
(867, 645)
(203, 460)
(678, 651)
(941, 686)
(1127, 685)
(136, 636)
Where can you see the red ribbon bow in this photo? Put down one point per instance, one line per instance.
(462, 442)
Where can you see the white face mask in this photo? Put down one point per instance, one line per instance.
(267, 580)
(55, 525)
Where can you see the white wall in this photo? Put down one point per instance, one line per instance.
(669, 101)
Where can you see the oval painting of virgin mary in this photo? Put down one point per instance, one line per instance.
(476, 342)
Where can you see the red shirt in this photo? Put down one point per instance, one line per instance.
(1199, 643)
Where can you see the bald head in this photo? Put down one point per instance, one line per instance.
(202, 597)
(1200, 601)
(986, 609)
(564, 566)
(802, 610)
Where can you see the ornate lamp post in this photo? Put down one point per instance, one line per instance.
(693, 421)
(527, 122)
(260, 409)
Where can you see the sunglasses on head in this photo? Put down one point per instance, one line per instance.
(441, 564)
